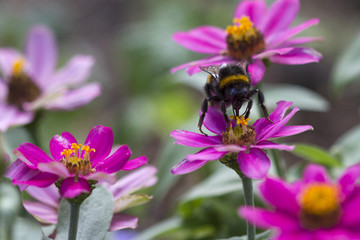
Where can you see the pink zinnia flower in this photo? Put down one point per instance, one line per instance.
(241, 138)
(258, 33)
(72, 163)
(30, 81)
(313, 208)
(46, 208)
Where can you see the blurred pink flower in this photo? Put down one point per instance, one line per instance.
(313, 208)
(258, 33)
(30, 81)
(245, 140)
(46, 208)
(72, 163)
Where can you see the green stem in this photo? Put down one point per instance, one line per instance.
(74, 219)
(33, 128)
(278, 164)
(249, 201)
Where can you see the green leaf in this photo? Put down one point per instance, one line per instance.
(26, 229)
(94, 219)
(316, 155)
(346, 70)
(221, 182)
(303, 98)
(260, 236)
(13, 138)
(159, 229)
(130, 201)
(347, 147)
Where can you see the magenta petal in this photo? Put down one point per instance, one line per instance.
(116, 161)
(276, 40)
(279, 195)
(315, 173)
(256, 70)
(49, 195)
(121, 221)
(254, 164)
(99, 138)
(271, 145)
(42, 54)
(39, 180)
(206, 154)
(301, 40)
(44, 213)
(348, 179)
(70, 188)
(186, 166)
(101, 176)
(279, 17)
(214, 121)
(255, 10)
(19, 171)
(31, 154)
(351, 216)
(192, 139)
(59, 143)
(56, 168)
(267, 219)
(134, 163)
(229, 148)
(291, 130)
(272, 52)
(297, 56)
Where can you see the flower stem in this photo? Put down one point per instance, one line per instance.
(278, 166)
(249, 201)
(74, 219)
(33, 128)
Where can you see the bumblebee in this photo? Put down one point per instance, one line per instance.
(229, 85)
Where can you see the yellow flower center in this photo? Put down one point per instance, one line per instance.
(21, 87)
(320, 205)
(242, 133)
(77, 159)
(243, 39)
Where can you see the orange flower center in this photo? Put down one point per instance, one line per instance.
(242, 133)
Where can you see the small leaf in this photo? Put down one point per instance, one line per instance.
(316, 155)
(94, 219)
(346, 70)
(130, 201)
(348, 147)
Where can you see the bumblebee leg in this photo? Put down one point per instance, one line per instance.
(204, 108)
(261, 100)
(223, 110)
(248, 108)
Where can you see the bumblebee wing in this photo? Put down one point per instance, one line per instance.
(244, 65)
(213, 70)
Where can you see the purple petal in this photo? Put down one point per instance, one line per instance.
(116, 161)
(39, 180)
(348, 180)
(100, 138)
(214, 121)
(192, 139)
(121, 221)
(266, 219)
(59, 143)
(32, 155)
(76, 71)
(135, 163)
(315, 173)
(75, 98)
(301, 40)
(279, 16)
(254, 164)
(12, 116)
(292, 130)
(7, 58)
(271, 145)
(186, 166)
(19, 171)
(205, 39)
(42, 212)
(206, 154)
(42, 54)
(49, 195)
(141, 178)
(3, 90)
(272, 52)
(256, 70)
(101, 176)
(297, 56)
(255, 10)
(70, 188)
(350, 214)
(279, 195)
(277, 39)
(229, 148)
(56, 168)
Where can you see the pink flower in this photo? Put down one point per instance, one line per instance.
(46, 208)
(72, 163)
(241, 138)
(258, 33)
(30, 81)
(313, 208)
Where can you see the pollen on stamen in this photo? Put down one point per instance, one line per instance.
(77, 162)
(18, 66)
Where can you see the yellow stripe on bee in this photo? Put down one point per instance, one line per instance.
(234, 78)
(209, 79)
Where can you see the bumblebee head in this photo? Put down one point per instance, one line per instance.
(237, 95)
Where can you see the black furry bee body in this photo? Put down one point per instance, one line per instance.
(230, 85)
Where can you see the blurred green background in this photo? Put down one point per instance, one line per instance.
(143, 102)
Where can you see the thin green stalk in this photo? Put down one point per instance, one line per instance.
(278, 165)
(74, 220)
(33, 128)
